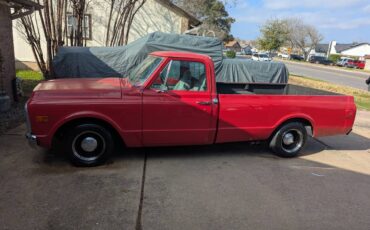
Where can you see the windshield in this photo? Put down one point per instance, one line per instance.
(141, 72)
(263, 56)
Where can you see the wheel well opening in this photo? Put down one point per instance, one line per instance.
(62, 130)
(306, 123)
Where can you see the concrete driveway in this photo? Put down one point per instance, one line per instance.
(233, 186)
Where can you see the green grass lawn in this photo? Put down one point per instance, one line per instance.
(30, 80)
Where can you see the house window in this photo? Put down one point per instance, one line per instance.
(86, 25)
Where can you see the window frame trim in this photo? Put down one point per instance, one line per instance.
(89, 26)
(170, 59)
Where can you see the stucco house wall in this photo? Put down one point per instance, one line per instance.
(367, 62)
(153, 16)
(358, 51)
(7, 50)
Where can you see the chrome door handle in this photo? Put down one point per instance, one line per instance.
(203, 102)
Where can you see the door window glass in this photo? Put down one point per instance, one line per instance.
(182, 76)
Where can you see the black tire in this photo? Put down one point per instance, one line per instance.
(89, 145)
(294, 132)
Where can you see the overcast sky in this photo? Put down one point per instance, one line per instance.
(345, 21)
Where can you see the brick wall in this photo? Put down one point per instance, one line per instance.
(7, 49)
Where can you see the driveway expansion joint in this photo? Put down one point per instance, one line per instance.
(138, 225)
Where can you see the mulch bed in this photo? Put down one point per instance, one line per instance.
(14, 117)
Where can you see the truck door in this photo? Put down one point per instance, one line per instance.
(177, 108)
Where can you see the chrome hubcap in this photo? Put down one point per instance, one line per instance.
(292, 140)
(89, 144)
(288, 139)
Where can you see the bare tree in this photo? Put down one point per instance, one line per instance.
(30, 30)
(50, 26)
(121, 15)
(50, 19)
(302, 36)
(78, 33)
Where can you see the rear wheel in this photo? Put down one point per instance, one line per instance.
(289, 140)
(89, 145)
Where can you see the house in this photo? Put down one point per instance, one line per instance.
(353, 49)
(154, 15)
(247, 49)
(320, 50)
(233, 45)
(357, 50)
(9, 10)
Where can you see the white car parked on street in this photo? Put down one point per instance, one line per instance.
(283, 55)
(261, 57)
(344, 61)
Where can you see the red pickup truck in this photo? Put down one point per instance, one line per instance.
(172, 98)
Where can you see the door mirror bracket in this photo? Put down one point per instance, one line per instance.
(162, 89)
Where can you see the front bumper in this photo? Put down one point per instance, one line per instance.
(32, 140)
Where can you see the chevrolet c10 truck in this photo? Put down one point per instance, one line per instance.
(173, 99)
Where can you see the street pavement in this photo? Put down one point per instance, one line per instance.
(334, 75)
(230, 186)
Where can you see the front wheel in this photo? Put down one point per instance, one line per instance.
(89, 145)
(289, 140)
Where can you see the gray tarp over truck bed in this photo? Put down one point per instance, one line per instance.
(249, 71)
(97, 62)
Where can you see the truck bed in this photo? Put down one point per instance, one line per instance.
(269, 89)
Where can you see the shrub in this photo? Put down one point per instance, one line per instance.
(334, 57)
(29, 80)
(230, 54)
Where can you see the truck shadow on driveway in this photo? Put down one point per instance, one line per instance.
(238, 149)
(261, 149)
(352, 141)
